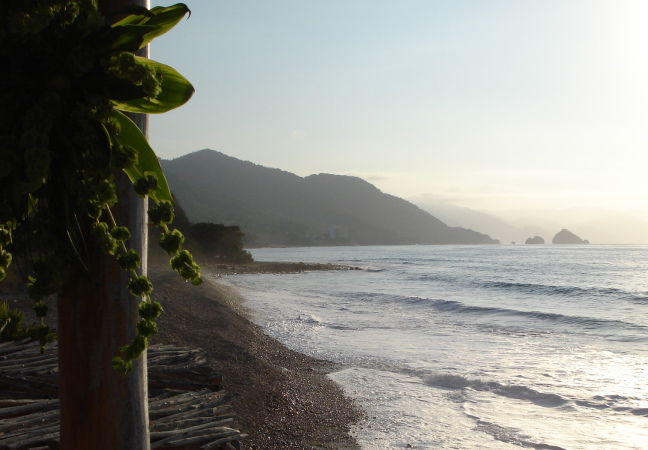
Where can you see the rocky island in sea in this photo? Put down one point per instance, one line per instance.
(535, 240)
(565, 236)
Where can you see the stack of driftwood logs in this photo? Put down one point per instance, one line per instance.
(187, 408)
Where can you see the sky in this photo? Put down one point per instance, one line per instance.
(492, 105)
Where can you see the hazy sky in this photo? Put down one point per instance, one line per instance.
(487, 104)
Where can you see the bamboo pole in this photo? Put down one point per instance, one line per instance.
(100, 408)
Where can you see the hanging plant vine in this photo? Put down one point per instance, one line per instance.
(68, 76)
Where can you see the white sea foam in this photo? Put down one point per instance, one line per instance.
(474, 347)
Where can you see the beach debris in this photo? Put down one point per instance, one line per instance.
(188, 409)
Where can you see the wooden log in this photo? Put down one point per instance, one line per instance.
(14, 359)
(22, 435)
(176, 426)
(200, 402)
(220, 412)
(16, 411)
(9, 425)
(177, 399)
(229, 439)
(175, 362)
(161, 348)
(192, 396)
(182, 419)
(9, 347)
(183, 381)
(32, 441)
(11, 402)
(6, 344)
(156, 436)
(26, 345)
(174, 352)
(185, 372)
(25, 366)
(193, 374)
(161, 396)
(204, 398)
(222, 419)
(186, 439)
(29, 386)
(30, 349)
(20, 438)
(30, 367)
(42, 415)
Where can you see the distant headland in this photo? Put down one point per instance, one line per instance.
(277, 208)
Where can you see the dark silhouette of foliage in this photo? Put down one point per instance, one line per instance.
(181, 221)
(222, 242)
(72, 76)
(11, 328)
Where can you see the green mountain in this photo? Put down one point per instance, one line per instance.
(274, 207)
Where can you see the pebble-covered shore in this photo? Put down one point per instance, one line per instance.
(283, 399)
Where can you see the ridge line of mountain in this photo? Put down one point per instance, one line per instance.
(274, 207)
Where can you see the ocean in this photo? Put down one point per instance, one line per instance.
(468, 347)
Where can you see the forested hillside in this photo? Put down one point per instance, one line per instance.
(275, 207)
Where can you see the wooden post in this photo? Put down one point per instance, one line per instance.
(101, 408)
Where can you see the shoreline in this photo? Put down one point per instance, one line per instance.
(283, 399)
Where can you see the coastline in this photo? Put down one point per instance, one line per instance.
(283, 399)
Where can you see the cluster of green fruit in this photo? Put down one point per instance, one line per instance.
(72, 75)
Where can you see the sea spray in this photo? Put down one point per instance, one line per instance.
(474, 346)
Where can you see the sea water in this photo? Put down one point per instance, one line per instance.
(472, 347)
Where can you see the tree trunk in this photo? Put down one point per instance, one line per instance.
(101, 408)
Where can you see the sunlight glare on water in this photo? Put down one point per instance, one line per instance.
(474, 347)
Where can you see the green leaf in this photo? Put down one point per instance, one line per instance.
(126, 38)
(147, 161)
(160, 19)
(176, 91)
(128, 14)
